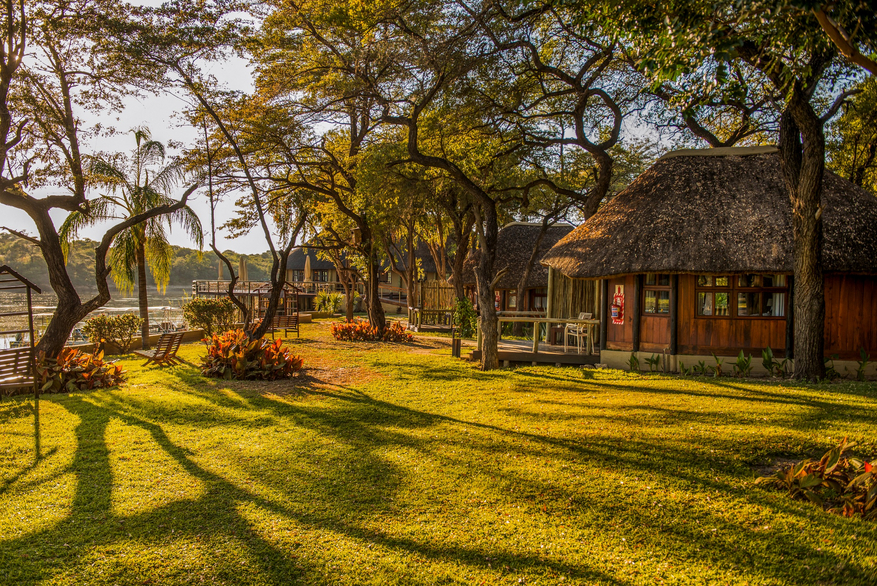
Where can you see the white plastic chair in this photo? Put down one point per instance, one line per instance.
(577, 331)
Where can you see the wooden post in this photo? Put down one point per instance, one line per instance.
(550, 304)
(536, 332)
(674, 313)
(637, 320)
(604, 313)
(790, 321)
(33, 343)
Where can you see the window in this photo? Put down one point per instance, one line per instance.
(321, 276)
(750, 296)
(298, 276)
(513, 300)
(539, 299)
(656, 295)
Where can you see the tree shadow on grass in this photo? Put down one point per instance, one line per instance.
(366, 427)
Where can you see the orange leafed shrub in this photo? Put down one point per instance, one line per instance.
(232, 355)
(74, 370)
(361, 331)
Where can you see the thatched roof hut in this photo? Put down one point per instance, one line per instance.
(716, 211)
(298, 256)
(514, 246)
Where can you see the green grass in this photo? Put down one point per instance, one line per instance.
(400, 465)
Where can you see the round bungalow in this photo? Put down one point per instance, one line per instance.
(695, 258)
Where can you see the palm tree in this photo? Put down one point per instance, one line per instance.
(136, 185)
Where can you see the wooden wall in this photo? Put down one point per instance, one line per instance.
(724, 336)
(850, 315)
(850, 323)
(620, 337)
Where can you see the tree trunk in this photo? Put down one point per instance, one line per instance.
(376, 317)
(142, 295)
(484, 275)
(803, 151)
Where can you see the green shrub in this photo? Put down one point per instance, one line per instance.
(210, 315)
(743, 366)
(119, 330)
(74, 370)
(465, 318)
(328, 302)
(233, 355)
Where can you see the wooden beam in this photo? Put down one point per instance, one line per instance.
(790, 320)
(674, 313)
(637, 319)
(604, 313)
(550, 304)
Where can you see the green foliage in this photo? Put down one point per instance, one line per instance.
(633, 362)
(843, 485)
(862, 364)
(831, 372)
(119, 330)
(74, 370)
(717, 369)
(851, 140)
(361, 331)
(465, 318)
(210, 314)
(743, 366)
(653, 361)
(773, 366)
(701, 369)
(328, 302)
(683, 370)
(233, 355)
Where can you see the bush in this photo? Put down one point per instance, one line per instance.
(328, 302)
(361, 331)
(120, 330)
(74, 370)
(465, 318)
(232, 355)
(847, 486)
(210, 315)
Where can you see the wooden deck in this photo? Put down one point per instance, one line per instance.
(522, 351)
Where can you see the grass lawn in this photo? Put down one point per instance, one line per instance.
(401, 465)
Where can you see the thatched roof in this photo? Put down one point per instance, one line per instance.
(297, 256)
(716, 212)
(514, 245)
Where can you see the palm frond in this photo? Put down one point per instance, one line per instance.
(123, 261)
(159, 257)
(168, 177)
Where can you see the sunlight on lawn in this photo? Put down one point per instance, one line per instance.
(400, 465)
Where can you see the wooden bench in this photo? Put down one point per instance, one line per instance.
(287, 323)
(16, 369)
(165, 353)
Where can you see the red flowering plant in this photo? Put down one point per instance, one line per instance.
(838, 483)
(361, 331)
(233, 355)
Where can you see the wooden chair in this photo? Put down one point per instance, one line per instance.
(578, 331)
(16, 369)
(165, 353)
(287, 323)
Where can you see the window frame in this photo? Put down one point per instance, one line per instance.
(734, 289)
(657, 288)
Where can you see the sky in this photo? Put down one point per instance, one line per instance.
(158, 114)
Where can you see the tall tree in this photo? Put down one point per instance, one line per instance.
(53, 66)
(133, 191)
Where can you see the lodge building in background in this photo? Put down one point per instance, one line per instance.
(695, 258)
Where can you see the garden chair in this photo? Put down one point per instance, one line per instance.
(16, 369)
(287, 323)
(165, 353)
(578, 331)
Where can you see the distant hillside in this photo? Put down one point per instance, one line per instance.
(27, 260)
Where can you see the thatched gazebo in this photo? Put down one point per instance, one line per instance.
(515, 244)
(698, 251)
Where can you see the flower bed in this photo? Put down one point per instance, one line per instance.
(361, 331)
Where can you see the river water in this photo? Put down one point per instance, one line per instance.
(162, 308)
